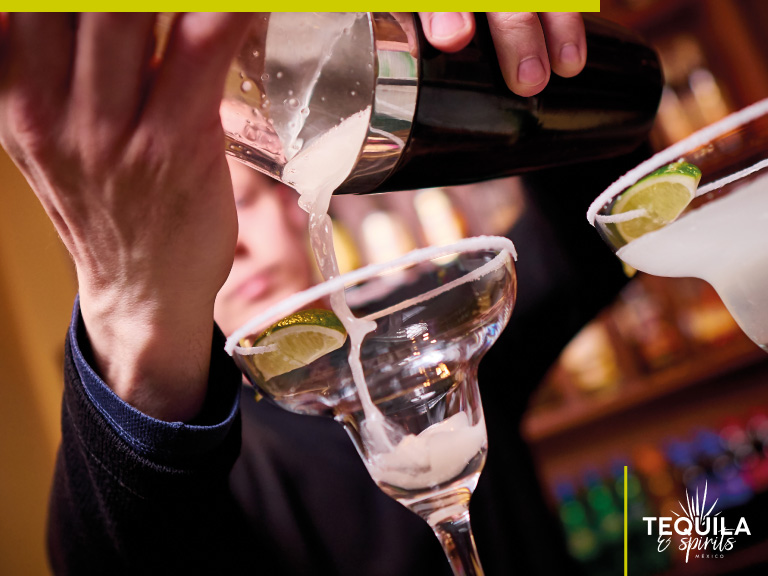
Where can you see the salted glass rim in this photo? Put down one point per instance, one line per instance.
(675, 152)
(296, 301)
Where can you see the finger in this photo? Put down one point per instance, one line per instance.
(111, 64)
(190, 81)
(408, 24)
(34, 81)
(448, 31)
(521, 49)
(38, 55)
(3, 35)
(566, 42)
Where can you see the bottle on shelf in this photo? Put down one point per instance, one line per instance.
(754, 463)
(590, 361)
(642, 550)
(607, 518)
(645, 322)
(581, 537)
(724, 481)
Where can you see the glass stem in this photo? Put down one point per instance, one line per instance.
(458, 543)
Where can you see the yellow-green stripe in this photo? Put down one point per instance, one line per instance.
(626, 539)
(137, 6)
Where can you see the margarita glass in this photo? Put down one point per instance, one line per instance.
(413, 411)
(722, 235)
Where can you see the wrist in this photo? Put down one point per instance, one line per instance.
(153, 353)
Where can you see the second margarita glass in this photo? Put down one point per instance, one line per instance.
(722, 235)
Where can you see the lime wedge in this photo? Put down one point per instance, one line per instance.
(659, 199)
(295, 341)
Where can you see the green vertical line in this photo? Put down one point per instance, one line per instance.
(626, 548)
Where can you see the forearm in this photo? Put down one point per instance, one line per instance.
(129, 490)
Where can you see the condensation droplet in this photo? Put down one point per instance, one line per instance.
(352, 93)
(292, 103)
(290, 92)
(296, 146)
(250, 133)
(256, 54)
(279, 75)
(246, 86)
(265, 77)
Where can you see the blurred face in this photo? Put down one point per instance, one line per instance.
(271, 258)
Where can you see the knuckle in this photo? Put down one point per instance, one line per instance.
(145, 150)
(565, 18)
(513, 21)
(28, 123)
(198, 35)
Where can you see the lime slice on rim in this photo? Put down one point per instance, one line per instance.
(294, 341)
(659, 199)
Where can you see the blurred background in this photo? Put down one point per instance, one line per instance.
(662, 381)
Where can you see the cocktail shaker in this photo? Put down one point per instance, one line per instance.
(433, 119)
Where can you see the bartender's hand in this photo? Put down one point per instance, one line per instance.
(127, 159)
(529, 45)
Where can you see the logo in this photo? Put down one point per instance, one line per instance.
(701, 531)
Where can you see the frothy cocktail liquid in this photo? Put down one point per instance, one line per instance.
(437, 455)
(724, 242)
(396, 459)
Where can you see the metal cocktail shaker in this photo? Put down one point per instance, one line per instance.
(434, 119)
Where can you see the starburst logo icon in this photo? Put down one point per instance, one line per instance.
(698, 529)
(694, 510)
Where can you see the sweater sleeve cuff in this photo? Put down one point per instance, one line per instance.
(152, 438)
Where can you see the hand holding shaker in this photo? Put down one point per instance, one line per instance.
(430, 118)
